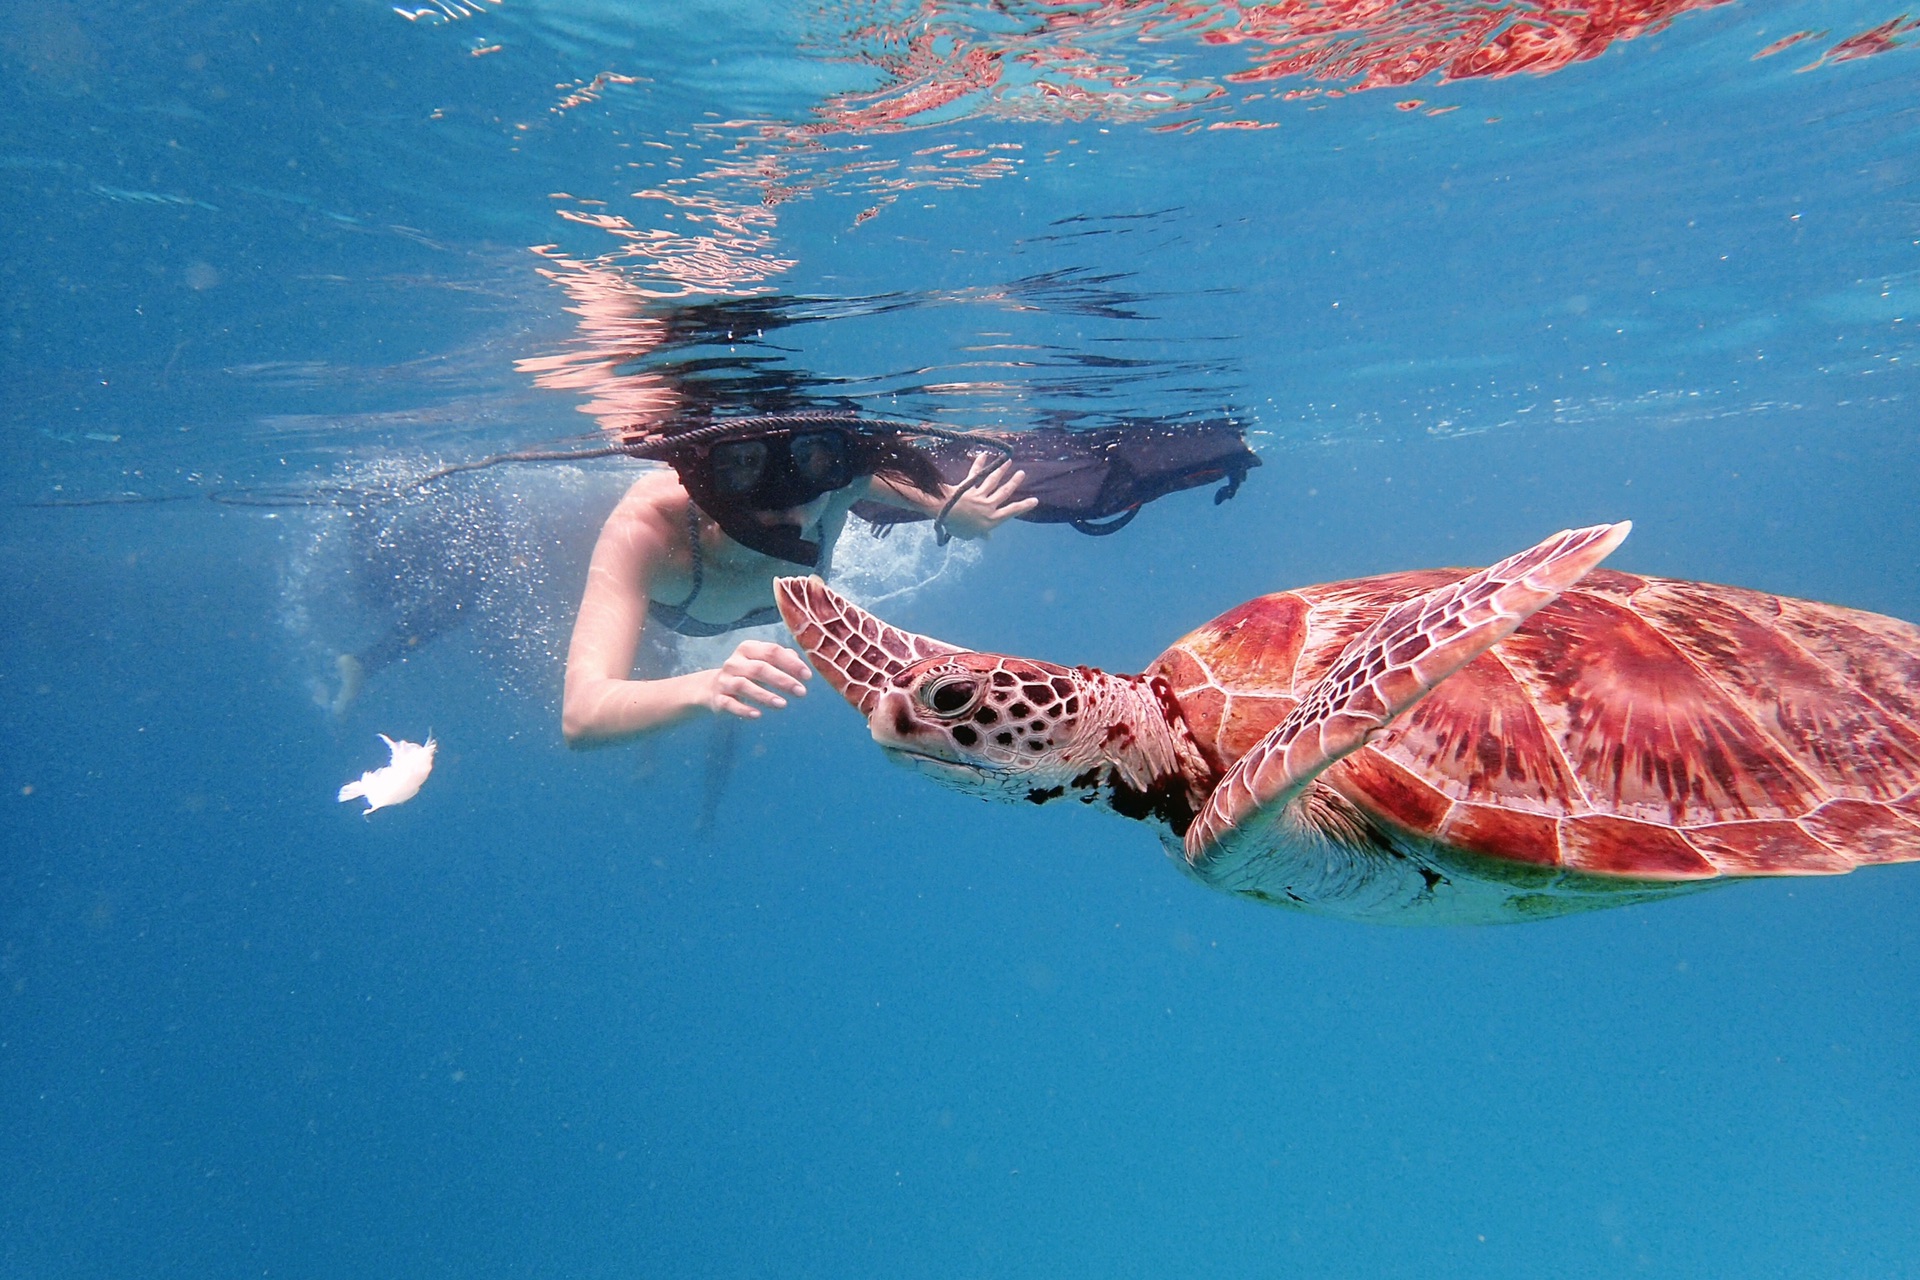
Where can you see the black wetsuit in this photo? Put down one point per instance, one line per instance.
(1097, 479)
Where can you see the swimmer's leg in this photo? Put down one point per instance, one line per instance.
(407, 633)
(723, 751)
(353, 674)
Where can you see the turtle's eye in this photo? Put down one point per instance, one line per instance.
(951, 695)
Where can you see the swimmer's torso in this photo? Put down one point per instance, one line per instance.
(709, 584)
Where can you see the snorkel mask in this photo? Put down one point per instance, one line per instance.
(739, 470)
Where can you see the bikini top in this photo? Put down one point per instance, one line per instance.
(674, 617)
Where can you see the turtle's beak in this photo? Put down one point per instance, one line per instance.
(857, 653)
(965, 777)
(899, 731)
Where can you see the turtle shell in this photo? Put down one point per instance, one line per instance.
(1635, 728)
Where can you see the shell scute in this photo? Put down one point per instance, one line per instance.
(1648, 736)
(1879, 656)
(1479, 738)
(1605, 845)
(1378, 593)
(1233, 677)
(1766, 849)
(1612, 584)
(1203, 704)
(1851, 745)
(1256, 644)
(1182, 671)
(1869, 833)
(1391, 790)
(1501, 833)
(1245, 720)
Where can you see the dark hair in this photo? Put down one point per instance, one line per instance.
(889, 457)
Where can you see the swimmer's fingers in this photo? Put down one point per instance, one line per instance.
(990, 501)
(723, 704)
(774, 663)
(997, 481)
(1013, 510)
(741, 695)
(750, 676)
(726, 704)
(1001, 491)
(978, 465)
(1004, 484)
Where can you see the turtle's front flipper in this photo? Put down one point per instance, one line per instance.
(1382, 672)
(856, 652)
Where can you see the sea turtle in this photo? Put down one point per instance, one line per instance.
(1442, 746)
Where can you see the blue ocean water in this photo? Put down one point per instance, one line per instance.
(627, 1012)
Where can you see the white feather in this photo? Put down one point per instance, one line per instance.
(398, 781)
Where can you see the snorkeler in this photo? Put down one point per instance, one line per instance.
(695, 549)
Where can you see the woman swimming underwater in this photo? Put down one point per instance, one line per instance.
(693, 546)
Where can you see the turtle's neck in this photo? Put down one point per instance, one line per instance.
(1152, 769)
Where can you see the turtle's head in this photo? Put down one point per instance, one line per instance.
(979, 722)
(989, 724)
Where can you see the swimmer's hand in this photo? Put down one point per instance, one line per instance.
(990, 501)
(750, 675)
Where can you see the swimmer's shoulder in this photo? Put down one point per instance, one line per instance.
(644, 537)
(655, 503)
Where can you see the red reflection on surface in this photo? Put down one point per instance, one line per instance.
(1878, 39)
(1867, 43)
(1044, 59)
(713, 245)
(1786, 42)
(1376, 45)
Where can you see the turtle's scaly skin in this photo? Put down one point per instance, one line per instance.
(1635, 727)
(1443, 746)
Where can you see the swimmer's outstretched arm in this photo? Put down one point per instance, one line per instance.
(602, 701)
(989, 502)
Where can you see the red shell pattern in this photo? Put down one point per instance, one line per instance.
(1636, 727)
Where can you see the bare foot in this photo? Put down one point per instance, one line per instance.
(352, 676)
